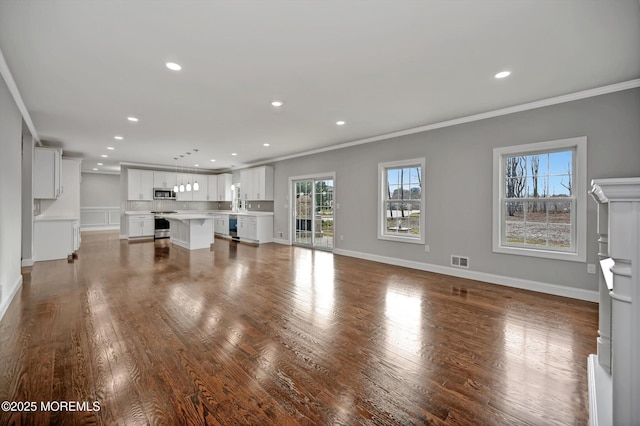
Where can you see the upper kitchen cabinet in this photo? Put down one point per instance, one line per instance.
(257, 183)
(224, 186)
(164, 179)
(140, 185)
(262, 183)
(46, 173)
(246, 184)
(212, 187)
(203, 187)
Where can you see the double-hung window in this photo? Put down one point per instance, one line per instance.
(539, 202)
(401, 201)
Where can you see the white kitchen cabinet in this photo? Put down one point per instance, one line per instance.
(221, 225)
(68, 202)
(257, 183)
(163, 179)
(246, 184)
(262, 185)
(46, 173)
(186, 195)
(142, 225)
(191, 231)
(140, 184)
(202, 193)
(224, 187)
(212, 187)
(188, 178)
(55, 238)
(247, 228)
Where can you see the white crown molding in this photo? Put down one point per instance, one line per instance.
(617, 87)
(616, 189)
(11, 84)
(540, 287)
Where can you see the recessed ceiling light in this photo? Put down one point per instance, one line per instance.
(110, 148)
(503, 74)
(213, 160)
(266, 144)
(104, 156)
(196, 165)
(100, 164)
(277, 103)
(234, 153)
(134, 119)
(118, 138)
(340, 123)
(95, 168)
(173, 66)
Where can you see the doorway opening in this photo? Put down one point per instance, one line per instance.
(313, 215)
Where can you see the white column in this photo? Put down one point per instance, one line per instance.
(623, 198)
(604, 322)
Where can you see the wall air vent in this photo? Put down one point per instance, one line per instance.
(459, 261)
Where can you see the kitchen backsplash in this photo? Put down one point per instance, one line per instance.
(168, 205)
(252, 206)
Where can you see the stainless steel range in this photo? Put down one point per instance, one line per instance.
(162, 225)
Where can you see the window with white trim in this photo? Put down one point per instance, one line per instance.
(539, 199)
(401, 201)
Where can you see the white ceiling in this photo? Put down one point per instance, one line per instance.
(82, 67)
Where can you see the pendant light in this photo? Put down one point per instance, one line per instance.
(188, 179)
(196, 187)
(175, 186)
(181, 188)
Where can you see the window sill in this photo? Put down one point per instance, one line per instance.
(402, 239)
(545, 254)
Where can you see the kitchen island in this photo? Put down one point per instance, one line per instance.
(191, 231)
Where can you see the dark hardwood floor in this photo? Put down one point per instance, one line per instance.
(283, 335)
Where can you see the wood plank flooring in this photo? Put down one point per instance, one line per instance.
(279, 335)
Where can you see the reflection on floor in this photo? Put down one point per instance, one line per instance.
(275, 334)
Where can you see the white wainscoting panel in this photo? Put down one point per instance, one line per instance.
(99, 218)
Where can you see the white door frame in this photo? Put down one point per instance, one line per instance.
(292, 207)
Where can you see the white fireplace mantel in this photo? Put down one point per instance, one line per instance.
(614, 373)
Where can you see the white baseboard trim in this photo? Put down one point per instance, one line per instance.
(99, 228)
(281, 241)
(27, 262)
(557, 290)
(600, 396)
(12, 294)
(124, 237)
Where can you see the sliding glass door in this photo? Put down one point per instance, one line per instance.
(313, 213)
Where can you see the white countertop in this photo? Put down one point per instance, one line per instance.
(209, 212)
(188, 216)
(54, 218)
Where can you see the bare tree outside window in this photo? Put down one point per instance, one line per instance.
(403, 200)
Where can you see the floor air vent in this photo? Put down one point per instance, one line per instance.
(459, 261)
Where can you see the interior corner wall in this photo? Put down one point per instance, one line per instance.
(100, 190)
(458, 180)
(27, 195)
(10, 194)
(124, 189)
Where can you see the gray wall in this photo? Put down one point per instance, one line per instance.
(99, 190)
(10, 194)
(458, 179)
(27, 196)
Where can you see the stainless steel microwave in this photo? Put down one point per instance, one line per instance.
(163, 194)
